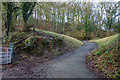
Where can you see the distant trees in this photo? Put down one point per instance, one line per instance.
(75, 18)
(85, 17)
(111, 10)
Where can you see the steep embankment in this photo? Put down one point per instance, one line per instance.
(43, 39)
(104, 60)
(70, 42)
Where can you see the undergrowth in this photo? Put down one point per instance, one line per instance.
(25, 42)
(106, 56)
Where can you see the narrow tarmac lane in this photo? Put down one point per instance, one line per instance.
(69, 65)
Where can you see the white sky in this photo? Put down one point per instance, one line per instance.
(80, 0)
(61, 0)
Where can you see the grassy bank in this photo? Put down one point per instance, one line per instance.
(72, 43)
(106, 56)
(106, 41)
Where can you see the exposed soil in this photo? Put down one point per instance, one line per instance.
(20, 67)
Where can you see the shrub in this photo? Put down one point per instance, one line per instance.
(58, 41)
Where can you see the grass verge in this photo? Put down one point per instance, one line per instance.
(106, 41)
(106, 57)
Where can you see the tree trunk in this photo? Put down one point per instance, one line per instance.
(25, 26)
(9, 17)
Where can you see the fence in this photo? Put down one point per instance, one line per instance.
(6, 54)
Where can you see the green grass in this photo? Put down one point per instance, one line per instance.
(71, 42)
(106, 41)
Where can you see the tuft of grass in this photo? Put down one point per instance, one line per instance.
(57, 53)
(72, 43)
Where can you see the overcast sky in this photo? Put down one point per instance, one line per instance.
(81, 0)
(62, 0)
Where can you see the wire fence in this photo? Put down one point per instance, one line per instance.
(6, 54)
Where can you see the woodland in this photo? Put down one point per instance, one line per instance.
(41, 31)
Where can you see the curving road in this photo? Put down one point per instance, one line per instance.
(69, 65)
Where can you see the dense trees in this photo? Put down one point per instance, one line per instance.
(27, 9)
(83, 17)
(10, 8)
(76, 19)
(12, 11)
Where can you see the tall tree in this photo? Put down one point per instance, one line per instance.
(27, 10)
(63, 17)
(10, 8)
